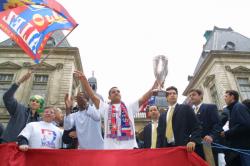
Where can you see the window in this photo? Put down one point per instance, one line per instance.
(39, 87)
(5, 81)
(41, 79)
(214, 95)
(229, 46)
(51, 42)
(244, 87)
(6, 77)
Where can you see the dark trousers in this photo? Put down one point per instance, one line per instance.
(232, 158)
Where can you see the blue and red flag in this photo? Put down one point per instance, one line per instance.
(30, 23)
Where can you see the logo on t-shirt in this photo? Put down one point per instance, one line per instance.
(48, 138)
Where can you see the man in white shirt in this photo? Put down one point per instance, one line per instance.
(42, 134)
(86, 120)
(119, 128)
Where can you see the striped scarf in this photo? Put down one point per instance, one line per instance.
(119, 124)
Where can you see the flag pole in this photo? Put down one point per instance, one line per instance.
(52, 50)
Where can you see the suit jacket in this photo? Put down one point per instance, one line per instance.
(185, 127)
(238, 134)
(208, 118)
(147, 136)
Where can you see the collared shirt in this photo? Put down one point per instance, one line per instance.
(88, 127)
(154, 125)
(170, 107)
(196, 108)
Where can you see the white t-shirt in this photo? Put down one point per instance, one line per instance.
(42, 135)
(113, 143)
(88, 128)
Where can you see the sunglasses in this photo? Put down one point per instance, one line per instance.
(34, 101)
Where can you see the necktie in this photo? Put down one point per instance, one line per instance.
(169, 129)
(196, 109)
(154, 135)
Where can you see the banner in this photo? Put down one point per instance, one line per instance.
(11, 156)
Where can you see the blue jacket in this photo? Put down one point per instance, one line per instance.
(209, 120)
(238, 134)
(20, 115)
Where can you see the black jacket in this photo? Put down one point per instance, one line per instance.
(238, 134)
(209, 120)
(185, 127)
(147, 135)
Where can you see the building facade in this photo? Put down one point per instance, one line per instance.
(52, 79)
(224, 64)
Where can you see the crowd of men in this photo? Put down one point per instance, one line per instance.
(194, 126)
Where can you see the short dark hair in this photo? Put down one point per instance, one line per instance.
(246, 102)
(111, 89)
(233, 93)
(86, 96)
(198, 91)
(172, 88)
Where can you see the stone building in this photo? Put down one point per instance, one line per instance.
(53, 79)
(224, 64)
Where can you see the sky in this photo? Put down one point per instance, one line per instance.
(118, 39)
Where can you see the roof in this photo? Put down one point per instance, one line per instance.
(223, 39)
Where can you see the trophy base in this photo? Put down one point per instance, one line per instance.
(160, 93)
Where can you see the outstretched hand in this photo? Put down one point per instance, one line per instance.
(68, 100)
(24, 77)
(78, 74)
(190, 146)
(23, 148)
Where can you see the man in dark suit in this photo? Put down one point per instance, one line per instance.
(238, 135)
(208, 117)
(150, 130)
(178, 126)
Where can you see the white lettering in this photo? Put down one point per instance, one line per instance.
(33, 40)
(9, 18)
(16, 23)
(25, 29)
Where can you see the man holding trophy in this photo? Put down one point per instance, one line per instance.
(178, 126)
(119, 128)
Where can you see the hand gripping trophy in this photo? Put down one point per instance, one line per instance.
(160, 64)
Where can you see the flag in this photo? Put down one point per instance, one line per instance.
(30, 23)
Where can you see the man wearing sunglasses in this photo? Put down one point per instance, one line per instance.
(20, 114)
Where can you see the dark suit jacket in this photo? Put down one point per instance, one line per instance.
(238, 134)
(147, 136)
(185, 127)
(208, 118)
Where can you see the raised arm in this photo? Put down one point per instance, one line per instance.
(96, 100)
(8, 97)
(148, 94)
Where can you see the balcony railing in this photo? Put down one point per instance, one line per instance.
(140, 115)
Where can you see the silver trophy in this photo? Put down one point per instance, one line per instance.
(160, 64)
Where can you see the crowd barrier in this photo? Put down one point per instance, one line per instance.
(178, 156)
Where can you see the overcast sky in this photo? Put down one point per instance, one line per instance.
(118, 39)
